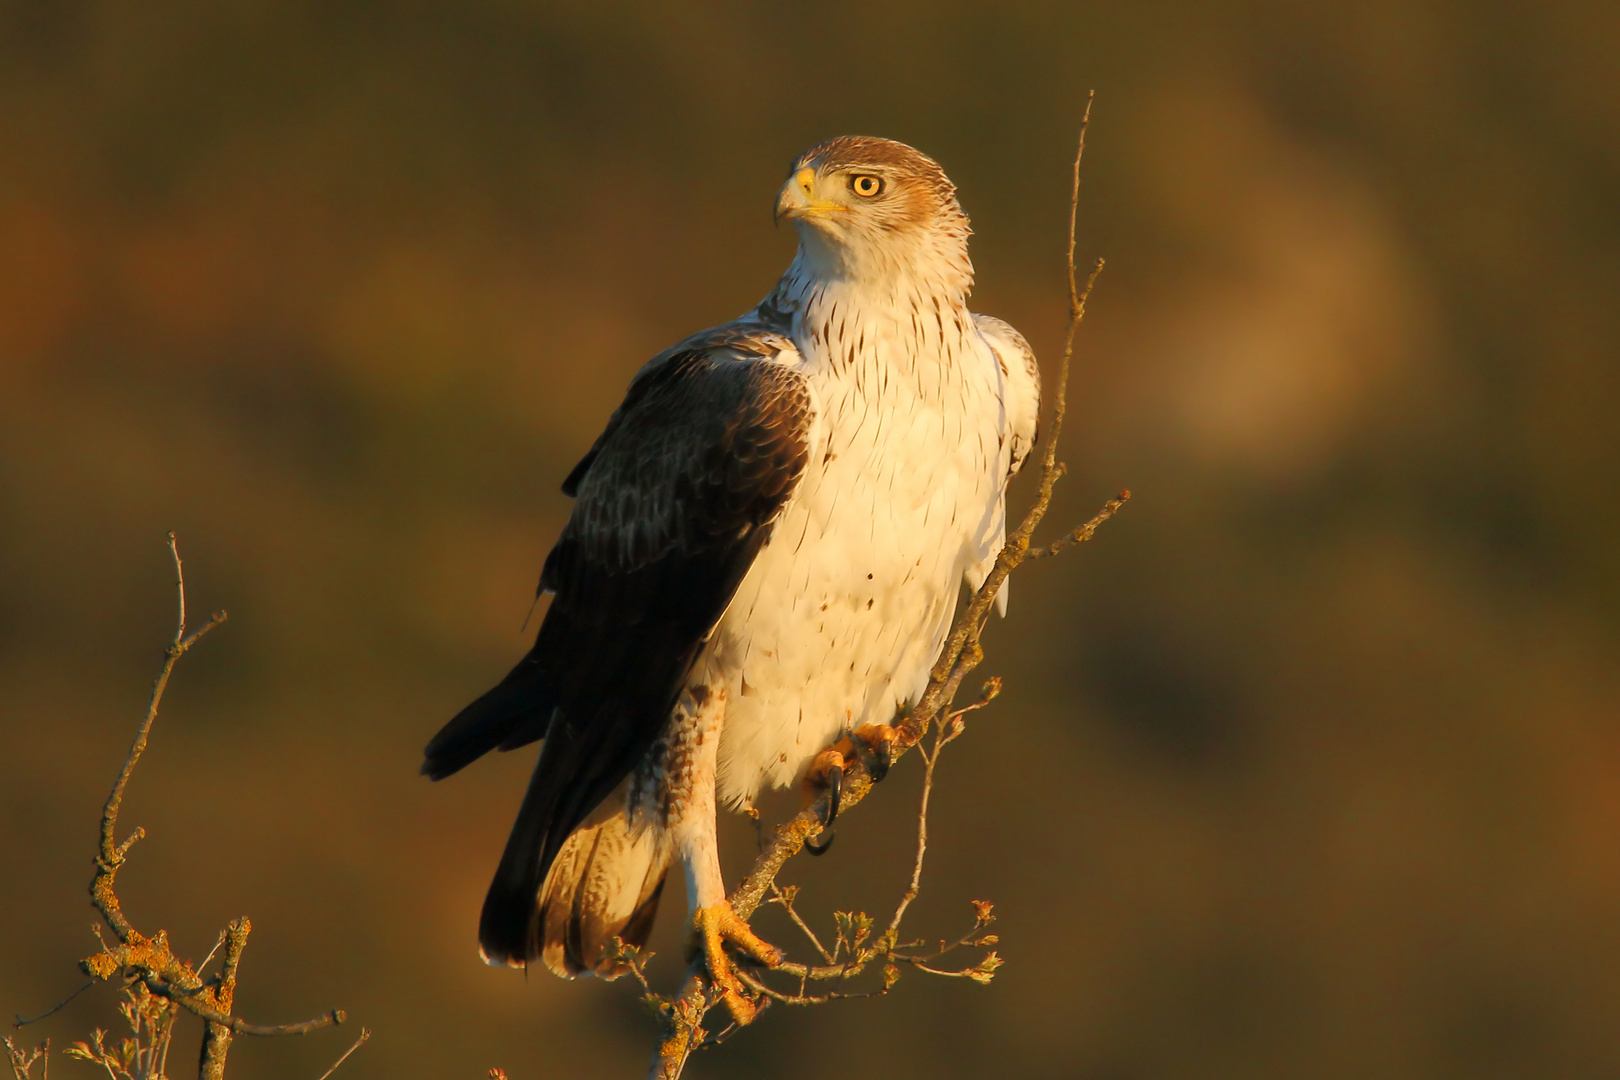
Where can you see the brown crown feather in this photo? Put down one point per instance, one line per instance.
(895, 161)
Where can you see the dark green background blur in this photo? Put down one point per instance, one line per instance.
(1308, 767)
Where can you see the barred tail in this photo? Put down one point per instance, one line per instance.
(605, 883)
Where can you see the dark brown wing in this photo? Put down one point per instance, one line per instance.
(675, 500)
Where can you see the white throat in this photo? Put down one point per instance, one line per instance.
(931, 263)
(896, 314)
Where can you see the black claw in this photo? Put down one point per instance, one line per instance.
(835, 786)
(880, 760)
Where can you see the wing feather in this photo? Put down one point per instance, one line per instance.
(1022, 385)
(1021, 398)
(675, 499)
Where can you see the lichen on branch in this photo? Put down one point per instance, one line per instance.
(159, 983)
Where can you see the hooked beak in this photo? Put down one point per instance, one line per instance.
(798, 199)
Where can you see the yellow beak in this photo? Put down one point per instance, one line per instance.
(798, 198)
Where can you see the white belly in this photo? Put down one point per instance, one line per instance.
(840, 618)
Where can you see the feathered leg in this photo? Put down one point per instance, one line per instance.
(692, 766)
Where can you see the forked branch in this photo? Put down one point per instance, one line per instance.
(148, 961)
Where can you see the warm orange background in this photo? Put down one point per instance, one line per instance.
(1308, 767)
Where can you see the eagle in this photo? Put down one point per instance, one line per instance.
(766, 549)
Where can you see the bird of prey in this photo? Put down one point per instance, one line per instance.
(764, 556)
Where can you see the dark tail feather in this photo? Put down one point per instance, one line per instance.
(512, 714)
(508, 927)
(565, 897)
(571, 795)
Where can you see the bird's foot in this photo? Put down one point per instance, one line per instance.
(871, 744)
(712, 927)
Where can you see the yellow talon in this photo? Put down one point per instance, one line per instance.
(827, 768)
(712, 927)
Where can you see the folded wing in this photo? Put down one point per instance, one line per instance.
(675, 500)
(1021, 398)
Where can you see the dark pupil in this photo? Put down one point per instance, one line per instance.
(867, 185)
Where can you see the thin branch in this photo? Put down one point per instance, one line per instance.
(968, 973)
(205, 960)
(943, 734)
(112, 854)
(972, 937)
(759, 987)
(167, 1040)
(149, 961)
(19, 1022)
(634, 958)
(915, 887)
(23, 1061)
(1084, 532)
(358, 1043)
(239, 1026)
(785, 898)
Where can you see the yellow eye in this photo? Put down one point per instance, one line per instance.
(866, 186)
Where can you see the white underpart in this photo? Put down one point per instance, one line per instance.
(840, 618)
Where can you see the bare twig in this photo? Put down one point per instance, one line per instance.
(211, 952)
(112, 853)
(785, 898)
(19, 1022)
(635, 960)
(358, 1043)
(961, 653)
(22, 1061)
(1084, 532)
(943, 734)
(759, 987)
(148, 960)
(144, 1055)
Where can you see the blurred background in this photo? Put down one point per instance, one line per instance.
(1309, 766)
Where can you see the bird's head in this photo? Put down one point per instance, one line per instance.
(868, 207)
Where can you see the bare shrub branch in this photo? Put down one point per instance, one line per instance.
(365, 1034)
(20, 1022)
(158, 982)
(22, 1061)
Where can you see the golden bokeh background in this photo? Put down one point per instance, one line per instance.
(1308, 767)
